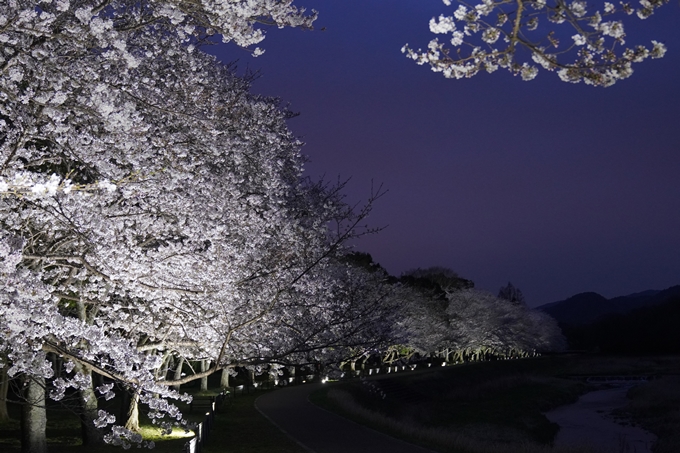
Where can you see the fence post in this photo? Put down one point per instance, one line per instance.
(203, 429)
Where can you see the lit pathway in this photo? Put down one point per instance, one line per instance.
(320, 431)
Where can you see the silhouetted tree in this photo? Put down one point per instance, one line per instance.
(514, 295)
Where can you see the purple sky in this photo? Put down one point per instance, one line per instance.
(558, 188)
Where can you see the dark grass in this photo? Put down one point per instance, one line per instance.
(655, 407)
(64, 430)
(241, 428)
(238, 428)
(495, 402)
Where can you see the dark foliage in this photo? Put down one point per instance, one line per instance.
(512, 294)
(435, 280)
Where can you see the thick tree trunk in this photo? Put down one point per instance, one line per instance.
(204, 380)
(88, 411)
(224, 379)
(34, 417)
(4, 390)
(133, 414)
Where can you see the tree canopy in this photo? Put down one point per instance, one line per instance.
(153, 210)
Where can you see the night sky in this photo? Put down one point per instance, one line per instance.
(559, 188)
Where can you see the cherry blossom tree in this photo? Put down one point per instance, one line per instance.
(33, 326)
(481, 323)
(576, 39)
(151, 206)
(343, 312)
(461, 323)
(423, 316)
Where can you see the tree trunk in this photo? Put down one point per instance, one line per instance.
(4, 389)
(86, 397)
(133, 414)
(224, 379)
(167, 361)
(34, 417)
(88, 411)
(204, 380)
(178, 372)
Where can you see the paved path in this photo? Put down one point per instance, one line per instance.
(320, 431)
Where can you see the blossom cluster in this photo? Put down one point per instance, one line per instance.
(497, 34)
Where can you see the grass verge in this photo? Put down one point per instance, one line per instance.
(238, 428)
(655, 406)
(488, 407)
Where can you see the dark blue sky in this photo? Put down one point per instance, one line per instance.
(559, 188)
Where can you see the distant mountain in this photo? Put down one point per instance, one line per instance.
(651, 329)
(586, 308)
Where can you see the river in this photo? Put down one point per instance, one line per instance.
(589, 421)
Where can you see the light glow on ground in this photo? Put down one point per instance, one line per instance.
(150, 432)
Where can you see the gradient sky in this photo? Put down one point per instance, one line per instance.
(559, 188)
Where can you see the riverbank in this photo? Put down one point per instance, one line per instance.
(591, 421)
(494, 406)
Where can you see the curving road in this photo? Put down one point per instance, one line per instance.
(320, 431)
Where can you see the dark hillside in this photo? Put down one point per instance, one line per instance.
(586, 308)
(579, 309)
(649, 330)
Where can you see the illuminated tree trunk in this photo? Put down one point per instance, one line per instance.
(4, 389)
(88, 407)
(34, 417)
(224, 379)
(204, 380)
(163, 373)
(87, 398)
(133, 414)
(178, 372)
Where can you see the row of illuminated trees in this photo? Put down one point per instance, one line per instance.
(442, 318)
(153, 212)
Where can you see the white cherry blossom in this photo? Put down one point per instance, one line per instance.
(521, 23)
